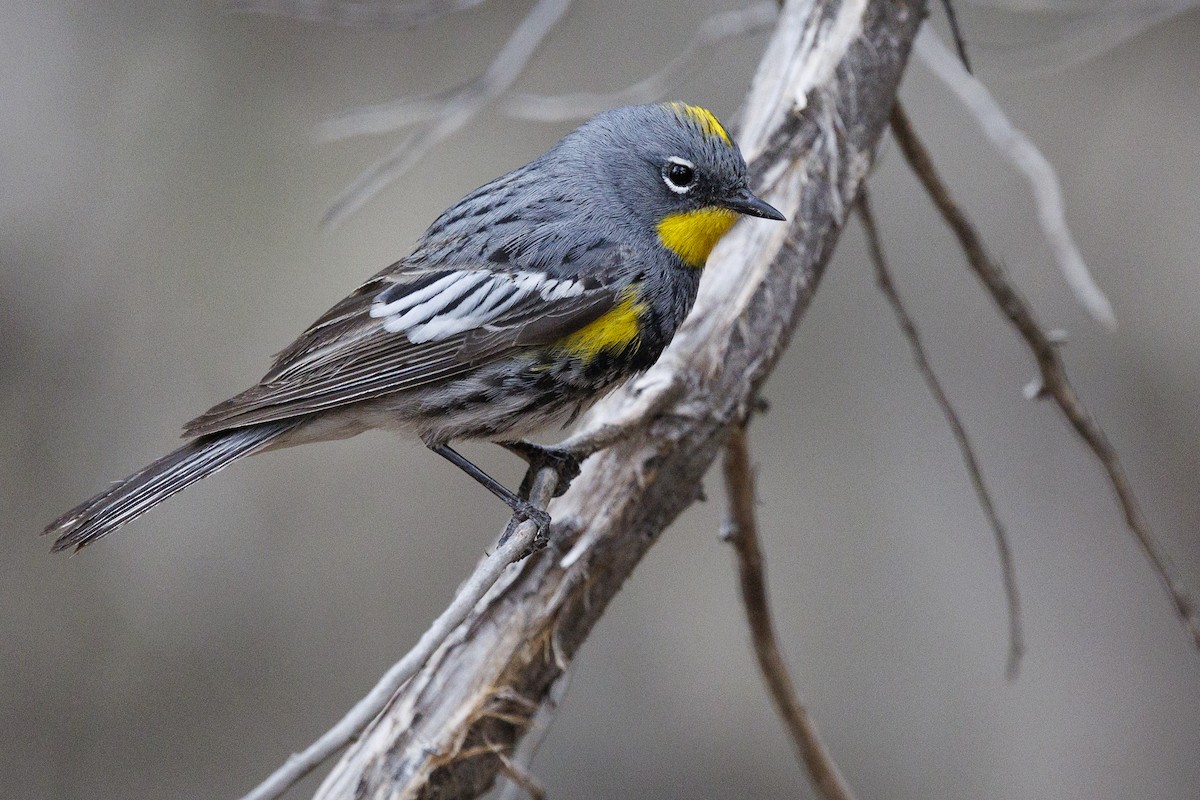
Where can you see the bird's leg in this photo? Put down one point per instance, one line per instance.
(520, 505)
(564, 463)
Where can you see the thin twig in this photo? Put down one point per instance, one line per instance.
(742, 533)
(485, 576)
(960, 44)
(443, 114)
(1045, 352)
(712, 31)
(355, 13)
(520, 777)
(1081, 36)
(1016, 637)
(535, 734)
(1023, 154)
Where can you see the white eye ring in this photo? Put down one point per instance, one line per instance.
(676, 188)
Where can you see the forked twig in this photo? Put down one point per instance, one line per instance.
(441, 114)
(1016, 636)
(742, 533)
(711, 32)
(1049, 361)
(1084, 33)
(371, 13)
(483, 579)
(438, 115)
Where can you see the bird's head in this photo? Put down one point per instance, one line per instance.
(671, 167)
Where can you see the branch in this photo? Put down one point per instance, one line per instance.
(1023, 154)
(960, 44)
(742, 533)
(838, 62)
(1073, 34)
(355, 13)
(714, 30)
(443, 113)
(1008, 572)
(481, 581)
(1045, 352)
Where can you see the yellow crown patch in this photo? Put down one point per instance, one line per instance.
(703, 118)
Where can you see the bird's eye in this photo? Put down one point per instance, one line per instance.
(679, 174)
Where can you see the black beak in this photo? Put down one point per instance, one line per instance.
(743, 202)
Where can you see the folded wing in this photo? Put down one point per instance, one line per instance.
(406, 328)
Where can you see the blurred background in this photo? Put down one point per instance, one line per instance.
(159, 239)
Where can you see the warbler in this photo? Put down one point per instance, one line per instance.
(519, 307)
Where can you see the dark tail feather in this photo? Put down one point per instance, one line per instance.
(150, 485)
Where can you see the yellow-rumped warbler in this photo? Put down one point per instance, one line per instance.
(520, 307)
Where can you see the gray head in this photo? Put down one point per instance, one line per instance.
(671, 168)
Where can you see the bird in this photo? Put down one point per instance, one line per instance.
(517, 309)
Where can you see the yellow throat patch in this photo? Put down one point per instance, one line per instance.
(692, 235)
(614, 330)
(703, 118)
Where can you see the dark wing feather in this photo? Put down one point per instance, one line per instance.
(348, 356)
(539, 325)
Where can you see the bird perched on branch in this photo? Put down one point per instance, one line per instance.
(522, 305)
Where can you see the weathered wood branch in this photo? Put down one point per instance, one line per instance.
(813, 118)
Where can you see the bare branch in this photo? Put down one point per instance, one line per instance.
(1084, 31)
(355, 13)
(714, 30)
(1045, 351)
(742, 532)
(443, 114)
(1008, 572)
(1024, 155)
(486, 575)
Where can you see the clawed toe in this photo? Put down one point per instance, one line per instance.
(528, 512)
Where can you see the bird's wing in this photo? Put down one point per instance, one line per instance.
(407, 328)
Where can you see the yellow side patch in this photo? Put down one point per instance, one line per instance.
(615, 330)
(704, 118)
(692, 235)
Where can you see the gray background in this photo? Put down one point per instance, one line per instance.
(158, 240)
